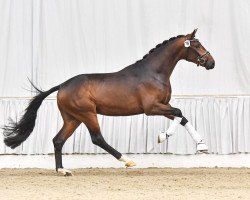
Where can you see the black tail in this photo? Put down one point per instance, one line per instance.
(18, 132)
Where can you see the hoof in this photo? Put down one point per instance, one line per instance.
(202, 151)
(64, 172)
(202, 148)
(162, 137)
(130, 164)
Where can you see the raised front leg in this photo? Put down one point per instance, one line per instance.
(176, 115)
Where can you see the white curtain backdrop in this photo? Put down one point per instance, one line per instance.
(50, 41)
(222, 122)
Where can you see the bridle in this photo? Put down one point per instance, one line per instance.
(201, 58)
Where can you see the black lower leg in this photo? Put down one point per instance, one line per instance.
(58, 144)
(177, 112)
(98, 140)
(184, 121)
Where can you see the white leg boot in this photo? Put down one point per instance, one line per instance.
(162, 136)
(201, 146)
(171, 130)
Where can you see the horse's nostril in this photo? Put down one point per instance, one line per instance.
(213, 64)
(210, 65)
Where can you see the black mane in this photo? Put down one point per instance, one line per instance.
(165, 42)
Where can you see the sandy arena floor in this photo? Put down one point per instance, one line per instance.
(130, 184)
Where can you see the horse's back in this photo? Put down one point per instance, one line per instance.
(108, 94)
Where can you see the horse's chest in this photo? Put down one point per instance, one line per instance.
(166, 94)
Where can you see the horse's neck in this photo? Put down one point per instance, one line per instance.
(166, 60)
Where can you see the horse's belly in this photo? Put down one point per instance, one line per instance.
(119, 110)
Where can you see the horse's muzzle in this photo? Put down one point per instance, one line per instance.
(209, 65)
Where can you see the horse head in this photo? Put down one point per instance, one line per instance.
(196, 53)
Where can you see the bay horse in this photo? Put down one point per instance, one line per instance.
(143, 87)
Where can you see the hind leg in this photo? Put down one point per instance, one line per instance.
(69, 126)
(93, 126)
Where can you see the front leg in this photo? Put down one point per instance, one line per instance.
(176, 115)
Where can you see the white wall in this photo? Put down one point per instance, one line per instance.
(53, 40)
(223, 123)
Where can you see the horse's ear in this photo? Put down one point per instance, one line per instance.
(192, 35)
